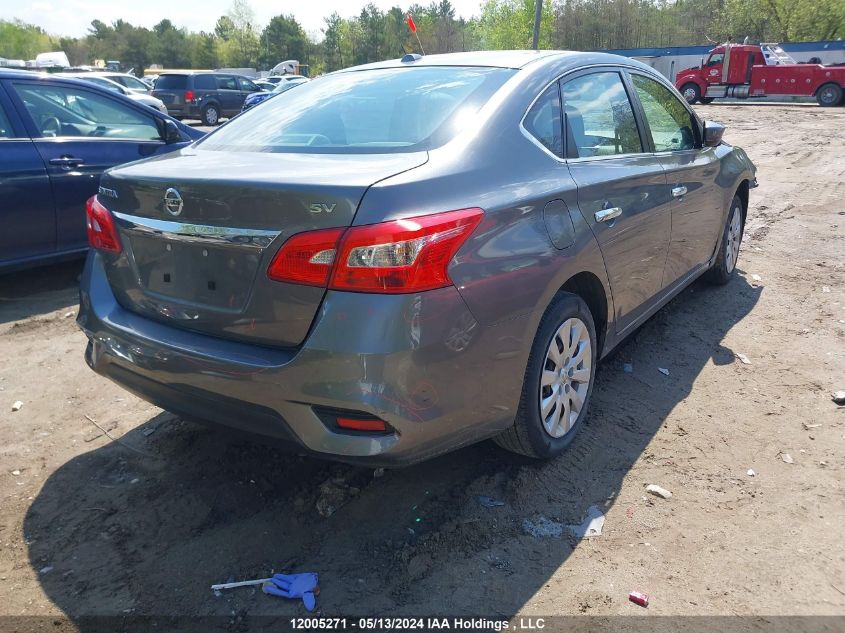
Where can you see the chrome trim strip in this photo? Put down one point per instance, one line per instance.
(200, 233)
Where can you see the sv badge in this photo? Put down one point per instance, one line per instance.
(321, 207)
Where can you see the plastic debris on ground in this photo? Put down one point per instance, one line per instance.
(639, 598)
(592, 524)
(839, 397)
(17, 405)
(542, 527)
(304, 586)
(751, 473)
(658, 491)
(743, 359)
(786, 457)
(334, 494)
(807, 427)
(628, 368)
(16, 472)
(663, 371)
(378, 472)
(756, 277)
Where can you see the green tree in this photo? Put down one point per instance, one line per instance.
(282, 39)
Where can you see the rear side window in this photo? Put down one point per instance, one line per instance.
(369, 111)
(672, 126)
(599, 117)
(543, 121)
(227, 82)
(205, 82)
(172, 82)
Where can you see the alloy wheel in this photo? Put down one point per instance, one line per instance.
(565, 378)
(734, 237)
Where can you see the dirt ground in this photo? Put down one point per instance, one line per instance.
(91, 526)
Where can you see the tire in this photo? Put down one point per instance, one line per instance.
(567, 315)
(706, 100)
(211, 114)
(829, 95)
(724, 267)
(691, 92)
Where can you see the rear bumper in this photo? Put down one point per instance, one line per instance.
(420, 362)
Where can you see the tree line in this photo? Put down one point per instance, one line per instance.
(237, 40)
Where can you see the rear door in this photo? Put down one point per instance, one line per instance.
(622, 190)
(27, 216)
(229, 93)
(79, 133)
(171, 90)
(691, 171)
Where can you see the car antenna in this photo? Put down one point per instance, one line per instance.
(413, 28)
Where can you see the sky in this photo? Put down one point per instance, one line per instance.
(72, 17)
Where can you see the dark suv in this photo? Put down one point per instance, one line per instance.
(206, 96)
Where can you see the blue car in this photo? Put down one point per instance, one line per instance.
(57, 135)
(286, 84)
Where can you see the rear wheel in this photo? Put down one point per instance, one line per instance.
(725, 264)
(210, 115)
(558, 381)
(706, 100)
(829, 95)
(691, 92)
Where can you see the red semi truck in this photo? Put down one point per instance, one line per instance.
(743, 70)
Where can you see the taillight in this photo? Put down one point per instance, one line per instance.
(401, 256)
(306, 258)
(410, 255)
(189, 96)
(102, 232)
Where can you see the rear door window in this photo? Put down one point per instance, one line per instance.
(64, 111)
(205, 82)
(371, 111)
(171, 82)
(543, 121)
(599, 117)
(672, 126)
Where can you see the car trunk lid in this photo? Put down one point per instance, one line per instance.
(199, 229)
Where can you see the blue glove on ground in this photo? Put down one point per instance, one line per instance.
(294, 586)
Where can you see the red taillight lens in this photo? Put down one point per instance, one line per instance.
(410, 255)
(306, 258)
(356, 424)
(189, 96)
(102, 232)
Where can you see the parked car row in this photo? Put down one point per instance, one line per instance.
(57, 136)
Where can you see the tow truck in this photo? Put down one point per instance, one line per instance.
(740, 71)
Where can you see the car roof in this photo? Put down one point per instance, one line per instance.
(503, 59)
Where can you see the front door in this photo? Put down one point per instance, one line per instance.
(79, 133)
(691, 170)
(622, 190)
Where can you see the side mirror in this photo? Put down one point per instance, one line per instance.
(713, 133)
(169, 131)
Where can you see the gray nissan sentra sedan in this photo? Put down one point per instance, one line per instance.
(399, 259)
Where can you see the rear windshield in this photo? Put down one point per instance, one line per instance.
(372, 111)
(171, 82)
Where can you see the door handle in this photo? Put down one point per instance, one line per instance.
(679, 192)
(607, 214)
(66, 162)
